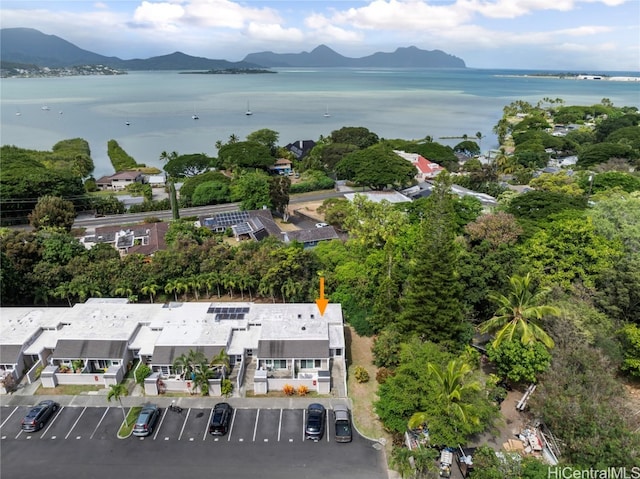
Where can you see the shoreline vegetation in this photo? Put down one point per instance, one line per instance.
(575, 76)
(229, 71)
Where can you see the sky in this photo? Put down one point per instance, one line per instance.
(564, 35)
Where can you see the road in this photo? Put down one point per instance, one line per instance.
(131, 218)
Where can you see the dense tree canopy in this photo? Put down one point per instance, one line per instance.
(376, 167)
(184, 166)
(245, 154)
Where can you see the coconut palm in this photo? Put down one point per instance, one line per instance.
(150, 288)
(452, 388)
(222, 360)
(172, 287)
(189, 362)
(519, 313)
(116, 391)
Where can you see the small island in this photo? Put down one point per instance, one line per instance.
(230, 71)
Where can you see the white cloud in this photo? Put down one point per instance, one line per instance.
(274, 33)
(162, 16)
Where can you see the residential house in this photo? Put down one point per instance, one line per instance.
(424, 189)
(145, 238)
(282, 166)
(300, 148)
(119, 181)
(311, 237)
(426, 170)
(252, 224)
(156, 181)
(391, 196)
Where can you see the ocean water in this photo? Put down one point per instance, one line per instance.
(404, 103)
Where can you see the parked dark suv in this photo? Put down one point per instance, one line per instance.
(38, 416)
(220, 419)
(316, 418)
(147, 420)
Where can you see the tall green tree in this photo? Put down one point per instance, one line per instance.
(519, 313)
(53, 211)
(431, 305)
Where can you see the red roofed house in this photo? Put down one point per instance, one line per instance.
(427, 170)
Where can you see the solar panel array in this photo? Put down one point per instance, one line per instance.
(231, 218)
(228, 312)
(242, 228)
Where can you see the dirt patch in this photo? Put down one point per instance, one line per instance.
(310, 209)
(363, 395)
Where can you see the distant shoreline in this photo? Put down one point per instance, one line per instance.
(576, 76)
(229, 71)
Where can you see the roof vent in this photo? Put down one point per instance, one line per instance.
(299, 316)
(313, 316)
(304, 328)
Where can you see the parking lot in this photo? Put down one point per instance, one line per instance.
(265, 443)
(102, 423)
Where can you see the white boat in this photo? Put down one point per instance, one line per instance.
(326, 113)
(127, 123)
(195, 115)
(248, 112)
(46, 108)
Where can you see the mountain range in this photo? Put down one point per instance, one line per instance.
(31, 47)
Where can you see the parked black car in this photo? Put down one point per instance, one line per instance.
(316, 419)
(342, 423)
(38, 415)
(147, 420)
(220, 419)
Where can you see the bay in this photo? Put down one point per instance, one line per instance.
(393, 103)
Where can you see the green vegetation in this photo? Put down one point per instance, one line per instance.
(119, 158)
(129, 421)
(551, 275)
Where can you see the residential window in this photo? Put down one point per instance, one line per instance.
(310, 363)
(338, 352)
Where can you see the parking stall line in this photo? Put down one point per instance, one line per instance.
(53, 419)
(160, 424)
(233, 421)
(280, 425)
(255, 427)
(184, 424)
(9, 416)
(326, 429)
(304, 415)
(206, 428)
(74, 424)
(99, 422)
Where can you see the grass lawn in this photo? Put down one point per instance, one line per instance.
(127, 426)
(67, 390)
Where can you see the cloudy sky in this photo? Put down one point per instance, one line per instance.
(538, 34)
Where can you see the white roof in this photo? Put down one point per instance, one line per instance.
(144, 326)
(378, 196)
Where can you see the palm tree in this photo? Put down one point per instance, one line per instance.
(452, 388)
(116, 391)
(171, 287)
(222, 360)
(63, 291)
(123, 291)
(195, 283)
(201, 378)
(519, 313)
(150, 288)
(479, 137)
(189, 362)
